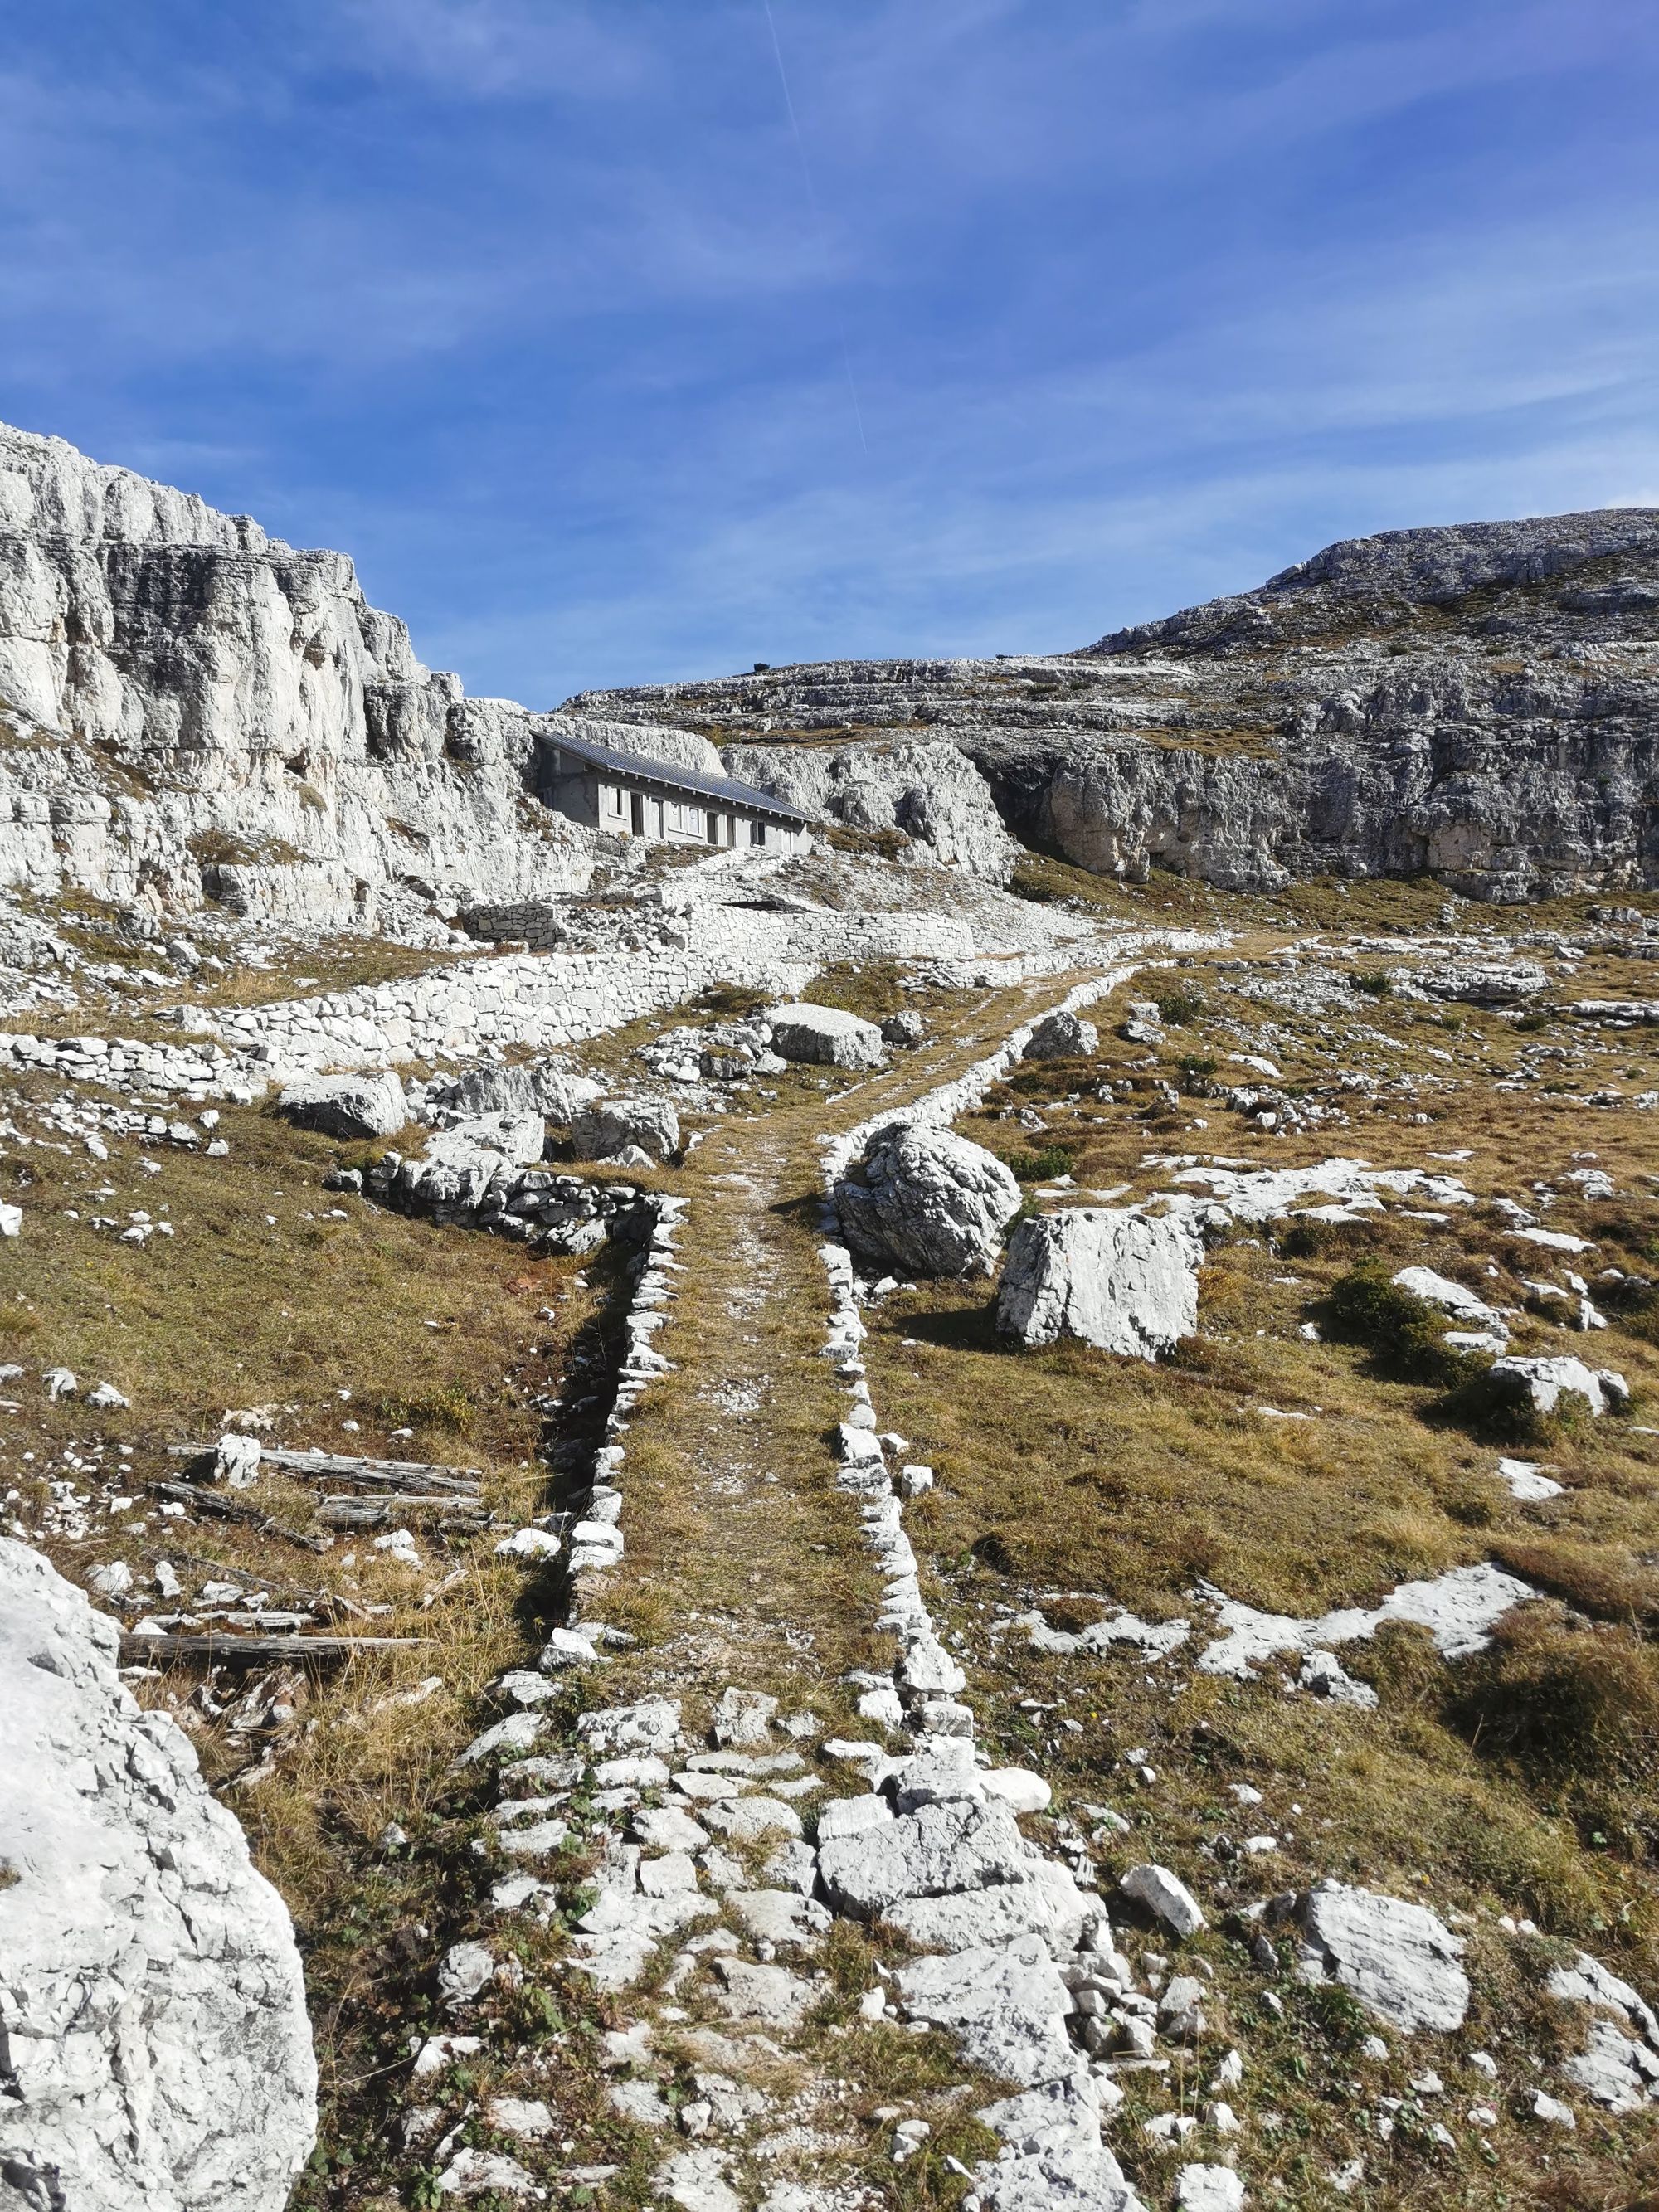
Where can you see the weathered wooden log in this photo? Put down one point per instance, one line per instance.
(361, 1474)
(377, 1512)
(218, 1507)
(258, 1651)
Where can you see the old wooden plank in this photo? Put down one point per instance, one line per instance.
(361, 1474)
(218, 1507)
(376, 1512)
(258, 1651)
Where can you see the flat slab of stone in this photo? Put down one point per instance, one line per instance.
(762, 1992)
(939, 1851)
(1398, 1959)
(1005, 2006)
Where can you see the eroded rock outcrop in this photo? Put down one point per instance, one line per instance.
(190, 709)
(1477, 702)
(156, 2053)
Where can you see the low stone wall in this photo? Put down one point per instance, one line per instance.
(545, 1000)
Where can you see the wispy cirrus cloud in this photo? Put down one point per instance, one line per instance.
(525, 306)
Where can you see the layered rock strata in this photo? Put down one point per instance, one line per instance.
(1479, 703)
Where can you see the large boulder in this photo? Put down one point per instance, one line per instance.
(1398, 1959)
(616, 1128)
(1111, 1277)
(348, 1106)
(152, 2008)
(825, 1036)
(926, 1202)
(1062, 1036)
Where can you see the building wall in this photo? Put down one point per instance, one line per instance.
(619, 808)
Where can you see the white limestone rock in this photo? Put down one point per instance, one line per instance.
(926, 1202)
(1053, 2159)
(768, 1993)
(940, 1850)
(1209, 2189)
(1618, 2070)
(152, 2008)
(1398, 1959)
(1006, 2007)
(1541, 1383)
(347, 1106)
(1113, 1278)
(1165, 1894)
(743, 1718)
(927, 789)
(613, 1127)
(825, 1036)
(1451, 1297)
(234, 721)
(1062, 1036)
(1615, 2069)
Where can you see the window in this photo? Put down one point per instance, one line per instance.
(714, 829)
(636, 814)
(757, 833)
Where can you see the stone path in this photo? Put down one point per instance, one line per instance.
(792, 1731)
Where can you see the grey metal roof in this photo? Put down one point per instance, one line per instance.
(646, 767)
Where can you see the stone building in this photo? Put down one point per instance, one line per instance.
(631, 794)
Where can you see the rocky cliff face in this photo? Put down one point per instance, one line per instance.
(190, 709)
(1480, 703)
(155, 2053)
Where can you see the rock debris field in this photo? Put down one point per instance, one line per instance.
(908, 1527)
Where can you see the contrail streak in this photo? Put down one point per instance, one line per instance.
(818, 215)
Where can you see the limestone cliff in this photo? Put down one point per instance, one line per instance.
(190, 709)
(1479, 703)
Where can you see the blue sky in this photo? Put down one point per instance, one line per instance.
(1094, 307)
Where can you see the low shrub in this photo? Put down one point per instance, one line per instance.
(1371, 980)
(1318, 1240)
(1040, 1166)
(1560, 1699)
(450, 1409)
(1404, 1332)
(1178, 1006)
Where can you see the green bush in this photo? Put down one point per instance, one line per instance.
(1405, 1332)
(1179, 1007)
(1371, 980)
(1041, 1165)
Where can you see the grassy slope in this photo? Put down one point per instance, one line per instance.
(1071, 1471)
